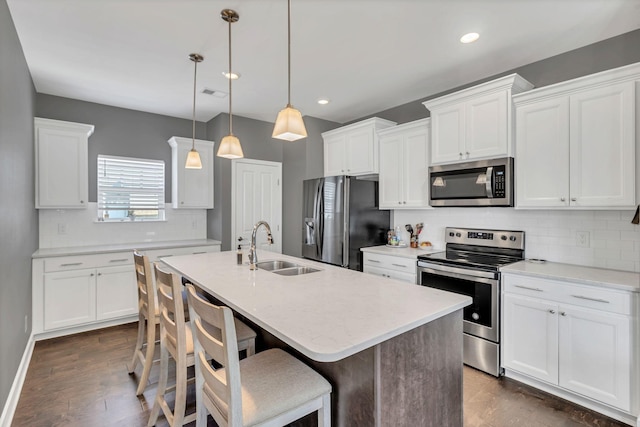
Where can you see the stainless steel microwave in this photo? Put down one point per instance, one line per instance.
(479, 183)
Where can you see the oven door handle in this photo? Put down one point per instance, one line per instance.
(458, 273)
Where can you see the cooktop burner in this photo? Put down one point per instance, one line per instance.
(470, 259)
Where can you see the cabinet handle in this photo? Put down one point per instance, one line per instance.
(591, 299)
(99, 274)
(531, 289)
(404, 203)
(562, 313)
(467, 154)
(460, 154)
(203, 252)
(399, 202)
(373, 260)
(400, 265)
(119, 260)
(182, 203)
(573, 199)
(562, 199)
(552, 311)
(164, 256)
(70, 264)
(81, 201)
(91, 275)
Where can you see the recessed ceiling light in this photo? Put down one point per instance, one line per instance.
(234, 76)
(469, 37)
(323, 101)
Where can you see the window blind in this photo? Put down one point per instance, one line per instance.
(127, 184)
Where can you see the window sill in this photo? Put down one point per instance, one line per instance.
(127, 221)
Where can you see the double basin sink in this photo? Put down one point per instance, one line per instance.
(285, 268)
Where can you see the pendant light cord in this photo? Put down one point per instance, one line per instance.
(230, 93)
(193, 129)
(289, 54)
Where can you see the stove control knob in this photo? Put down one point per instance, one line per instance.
(451, 234)
(503, 237)
(512, 238)
(475, 316)
(458, 234)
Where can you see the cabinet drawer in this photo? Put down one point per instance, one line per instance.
(398, 275)
(79, 262)
(570, 293)
(158, 254)
(406, 265)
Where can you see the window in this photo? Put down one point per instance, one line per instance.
(130, 189)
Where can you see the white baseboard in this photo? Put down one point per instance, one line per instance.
(16, 388)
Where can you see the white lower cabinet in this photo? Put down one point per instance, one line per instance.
(575, 338)
(393, 267)
(81, 292)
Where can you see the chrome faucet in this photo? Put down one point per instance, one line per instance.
(253, 256)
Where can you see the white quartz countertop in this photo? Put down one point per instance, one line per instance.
(406, 252)
(327, 315)
(100, 249)
(614, 279)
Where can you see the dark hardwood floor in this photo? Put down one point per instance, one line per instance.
(82, 380)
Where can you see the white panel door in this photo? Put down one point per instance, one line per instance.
(603, 146)
(69, 298)
(531, 337)
(486, 126)
(595, 355)
(542, 153)
(116, 292)
(257, 195)
(416, 169)
(391, 171)
(62, 173)
(335, 155)
(447, 134)
(361, 152)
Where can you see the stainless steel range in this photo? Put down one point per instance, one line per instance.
(470, 266)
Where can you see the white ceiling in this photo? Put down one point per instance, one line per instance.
(364, 55)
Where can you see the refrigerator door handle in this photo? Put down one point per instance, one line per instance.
(319, 219)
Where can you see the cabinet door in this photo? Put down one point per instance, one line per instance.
(486, 126)
(542, 153)
(116, 292)
(335, 161)
(62, 169)
(531, 337)
(69, 298)
(595, 355)
(603, 147)
(362, 155)
(193, 187)
(415, 170)
(391, 171)
(447, 134)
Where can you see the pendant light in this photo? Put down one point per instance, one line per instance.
(289, 124)
(193, 158)
(230, 147)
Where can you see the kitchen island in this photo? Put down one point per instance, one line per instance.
(392, 350)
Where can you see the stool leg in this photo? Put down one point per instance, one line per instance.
(134, 362)
(148, 360)
(162, 386)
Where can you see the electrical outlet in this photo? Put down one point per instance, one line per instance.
(62, 228)
(582, 239)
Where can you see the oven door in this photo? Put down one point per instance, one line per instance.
(481, 317)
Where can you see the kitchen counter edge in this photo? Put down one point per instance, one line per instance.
(407, 252)
(101, 249)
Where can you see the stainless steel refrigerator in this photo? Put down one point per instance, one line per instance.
(340, 216)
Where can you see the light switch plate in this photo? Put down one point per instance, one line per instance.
(582, 239)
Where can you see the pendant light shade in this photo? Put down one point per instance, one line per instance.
(193, 158)
(230, 147)
(289, 124)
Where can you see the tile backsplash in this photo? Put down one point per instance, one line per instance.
(79, 227)
(611, 240)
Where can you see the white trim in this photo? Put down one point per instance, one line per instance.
(84, 328)
(16, 388)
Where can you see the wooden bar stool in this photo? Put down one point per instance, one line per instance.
(148, 319)
(271, 388)
(176, 340)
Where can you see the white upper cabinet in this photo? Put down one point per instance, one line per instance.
(353, 149)
(404, 166)
(191, 188)
(61, 157)
(474, 123)
(576, 143)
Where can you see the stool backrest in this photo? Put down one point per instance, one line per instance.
(146, 292)
(223, 384)
(172, 321)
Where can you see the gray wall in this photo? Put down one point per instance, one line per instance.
(256, 141)
(120, 132)
(19, 225)
(611, 53)
(303, 159)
